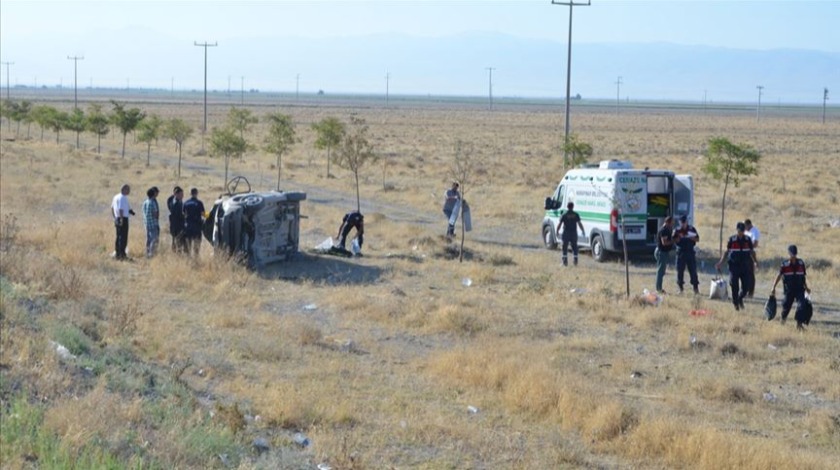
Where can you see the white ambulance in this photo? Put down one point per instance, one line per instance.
(613, 192)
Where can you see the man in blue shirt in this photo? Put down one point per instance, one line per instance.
(193, 222)
(151, 214)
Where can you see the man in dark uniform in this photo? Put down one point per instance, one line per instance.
(740, 251)
(569, 223)
(351, 220)
(686, 237)
(193, 222)
(664, 245)
(795, 283)
(175, 203)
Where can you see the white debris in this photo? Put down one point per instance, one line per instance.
(472, 410)
(769, 397)
(310, 307)
(466, 282)
(62, 352)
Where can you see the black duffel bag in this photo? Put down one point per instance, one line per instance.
(804, 311)
(770, 308)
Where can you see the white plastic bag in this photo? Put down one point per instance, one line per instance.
(718, 289)
(354, 247)
(325, 245)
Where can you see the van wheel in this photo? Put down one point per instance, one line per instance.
(599, 252)
(548, 238)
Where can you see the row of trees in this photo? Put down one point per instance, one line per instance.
(348, 146)
(148, 129)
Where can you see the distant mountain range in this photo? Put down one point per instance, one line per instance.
(453, 65)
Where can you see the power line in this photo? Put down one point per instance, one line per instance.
(75, 60)
(758, 109)
(7, 64)
(571, 5)
(205, 45)
(617, 93)
(490, 85)
(387, 86)
(825, 98)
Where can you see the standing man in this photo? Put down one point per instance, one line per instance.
(686, 237)
(193, 222)
(451, 198)
(569, 222)
(175, 203)
(740, 251)
(121, 209)
(664, 245)
(151, 216)
(795, 283)
(351, 220)
(755, 235)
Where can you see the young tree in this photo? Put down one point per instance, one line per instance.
(126, 120)
(25, 110)
(98, 123)
(280, 138)
(356, 151)
(729, 163)
(12, 111)
(56, 120)
(179, 131)
(225, 142)
(149, 131)
(463, 170)
(41, 115)
(578, 151)
(241, 119)
(330, 132)
(76, 122)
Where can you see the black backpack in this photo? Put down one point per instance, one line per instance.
(770, 308)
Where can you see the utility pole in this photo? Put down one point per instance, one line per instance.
(825, 98)
(387, 86)
(704, 101)
(8, 64)
(758, 109)
(490, 86)
(172, 87)
(75, 60)
(571, 5)
(228, 93)
(297, 87)
(205, 45)
(617, 93)
(242, 99)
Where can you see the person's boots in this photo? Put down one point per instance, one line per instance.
(565, 261)
(576, 259)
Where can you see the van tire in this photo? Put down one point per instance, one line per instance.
(549, 239)
(599, 250)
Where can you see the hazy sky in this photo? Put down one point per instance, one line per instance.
(38, 35)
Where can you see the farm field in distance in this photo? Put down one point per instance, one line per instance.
(391, 360)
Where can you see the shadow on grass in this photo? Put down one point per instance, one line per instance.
(326, 269)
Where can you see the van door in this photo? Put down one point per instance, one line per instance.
(684, 197)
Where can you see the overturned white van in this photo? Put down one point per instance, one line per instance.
(613, 193)
(258, 227)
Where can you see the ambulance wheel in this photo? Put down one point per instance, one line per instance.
(548, 238)
(599, 252)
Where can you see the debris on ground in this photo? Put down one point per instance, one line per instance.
(769, 397)
(636, 375)
(300, 439)
(466, 282)
(261, 445)
(310, 307)
(700, 313)
(648, 299)
(62, 352)
(472, 410)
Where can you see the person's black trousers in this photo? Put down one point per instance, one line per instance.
(346, 231)
(121, 242)
(687, 260)
(790, 296)
(738, 282)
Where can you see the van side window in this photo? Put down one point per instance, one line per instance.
(560, 196)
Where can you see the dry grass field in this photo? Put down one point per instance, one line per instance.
(182, 363)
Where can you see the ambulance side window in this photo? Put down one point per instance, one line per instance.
(560, 197)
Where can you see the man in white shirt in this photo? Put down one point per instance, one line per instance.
(121, 209)
(753, 234)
